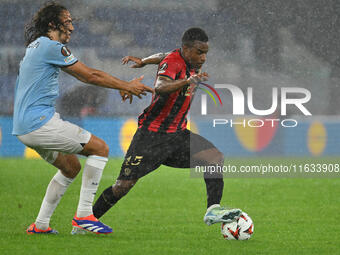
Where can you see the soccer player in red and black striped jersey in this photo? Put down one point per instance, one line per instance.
(162, 137)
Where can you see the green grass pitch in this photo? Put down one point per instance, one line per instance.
(163, 214)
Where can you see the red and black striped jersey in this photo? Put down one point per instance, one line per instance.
(167, 113)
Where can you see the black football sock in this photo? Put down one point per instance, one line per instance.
(104, 203)
(214, 190)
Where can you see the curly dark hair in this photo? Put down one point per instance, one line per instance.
(194, 34)
(40, 24)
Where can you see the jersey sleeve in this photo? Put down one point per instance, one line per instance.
(169, 68)
(59, 55)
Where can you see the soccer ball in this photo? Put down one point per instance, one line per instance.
(242, 229)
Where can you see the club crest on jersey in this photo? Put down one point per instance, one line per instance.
(65, 51)
(163, 68)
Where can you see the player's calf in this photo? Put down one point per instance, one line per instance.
(111, 196)
(68, 164)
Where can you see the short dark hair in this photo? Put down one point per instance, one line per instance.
(194, 34)
(39, 25)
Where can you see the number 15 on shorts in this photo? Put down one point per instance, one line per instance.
(133, 160)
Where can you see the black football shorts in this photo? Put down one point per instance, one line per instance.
(148, 150)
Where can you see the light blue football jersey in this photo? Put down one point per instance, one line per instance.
(37, 86)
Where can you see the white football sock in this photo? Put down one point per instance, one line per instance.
(90, 181)
(55, 190)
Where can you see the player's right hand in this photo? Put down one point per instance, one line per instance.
(198, 78)
(138, 61)
(137, 88)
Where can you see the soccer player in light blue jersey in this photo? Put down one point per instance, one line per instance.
(37, 125)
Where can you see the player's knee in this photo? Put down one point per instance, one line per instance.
(217, 159)
(103, 149)
(77, 167)
(220, 158)
(127, 185)
(96, 146)
(122, 187)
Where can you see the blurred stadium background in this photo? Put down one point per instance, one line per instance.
(260, 44)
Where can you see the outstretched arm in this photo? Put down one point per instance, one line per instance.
(153, 59)
(102, 79)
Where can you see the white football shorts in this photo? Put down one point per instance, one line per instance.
(56, 136)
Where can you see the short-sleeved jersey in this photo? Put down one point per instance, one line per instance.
(167, 113)
(37, 86)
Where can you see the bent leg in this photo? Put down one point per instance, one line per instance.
(195, 150)
(62, 136)
(69, 167)
(97, 153)
(145, 154)
(214, 184)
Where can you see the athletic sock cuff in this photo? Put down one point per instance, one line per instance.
(213, 206)
(96, 161)
(62, 180)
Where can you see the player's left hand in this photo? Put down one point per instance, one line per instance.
(205, 75)
(198, 78)
(125, 95)
(138, 61)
